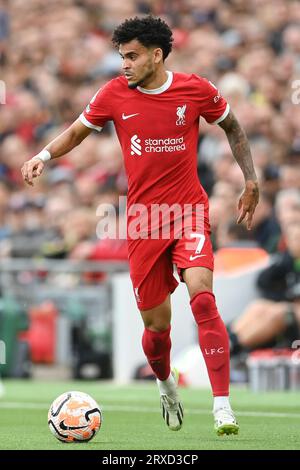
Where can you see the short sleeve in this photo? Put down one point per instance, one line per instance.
(98, 111)
(213, 107)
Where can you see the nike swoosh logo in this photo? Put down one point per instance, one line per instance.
(63, 426)
(124, 117)
(194, 257)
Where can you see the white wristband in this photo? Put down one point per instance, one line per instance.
(44, 155)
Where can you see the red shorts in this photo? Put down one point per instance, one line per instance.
(151, 263)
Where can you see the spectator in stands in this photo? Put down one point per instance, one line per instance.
(266, 230)
(277, 313)
(25, 220)
(233, 235)
(287, 211)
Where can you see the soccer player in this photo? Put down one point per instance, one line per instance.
(156, 115)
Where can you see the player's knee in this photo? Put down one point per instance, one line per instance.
(197, 280)
(204, 307)
(158, 318)
(156, 325)
(198, 286)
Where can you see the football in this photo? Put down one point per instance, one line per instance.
(74, 417)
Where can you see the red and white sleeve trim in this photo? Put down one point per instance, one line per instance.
(224, 115)
(84, 121)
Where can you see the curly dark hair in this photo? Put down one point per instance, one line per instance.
(149, 31)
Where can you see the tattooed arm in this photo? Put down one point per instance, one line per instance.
(241, 151)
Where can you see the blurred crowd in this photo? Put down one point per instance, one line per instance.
(54, 55)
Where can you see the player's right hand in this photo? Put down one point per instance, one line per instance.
(32, 169)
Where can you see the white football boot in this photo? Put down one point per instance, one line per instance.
(225, 422)
(172, 409)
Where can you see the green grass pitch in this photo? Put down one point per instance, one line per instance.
(132, 418)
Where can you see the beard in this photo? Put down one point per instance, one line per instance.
(134, 85)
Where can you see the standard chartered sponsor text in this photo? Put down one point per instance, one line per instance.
(164, 145)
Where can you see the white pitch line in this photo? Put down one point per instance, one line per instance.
(139, 409)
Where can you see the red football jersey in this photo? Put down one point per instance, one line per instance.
(158, 132)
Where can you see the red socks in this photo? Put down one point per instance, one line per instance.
(213, 339)
(157, 346)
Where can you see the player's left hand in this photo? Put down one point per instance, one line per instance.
(248, 202)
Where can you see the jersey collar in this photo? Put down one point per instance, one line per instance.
(161, 89)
